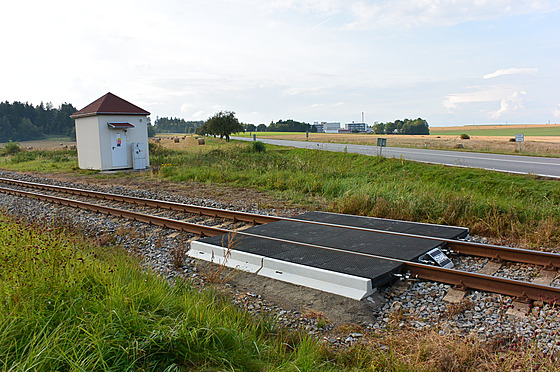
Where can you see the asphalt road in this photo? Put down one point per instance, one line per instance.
(547, 167)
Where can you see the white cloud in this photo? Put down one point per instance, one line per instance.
(510, 104)
(315, 6)
(493, 94)
(511, 71)
(411, 13)
(556, 111)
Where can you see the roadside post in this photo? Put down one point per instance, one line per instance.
(307, 136)
(381, 142)
(254, 137)
(519, 138)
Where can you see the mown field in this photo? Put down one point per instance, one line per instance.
(487, 140)
(70, 303)
(499, 130)
(473, 130)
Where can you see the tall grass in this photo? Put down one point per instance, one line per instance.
(41, 160)
(66, 305)
(512, 208)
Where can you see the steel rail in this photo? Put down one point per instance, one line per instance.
(149, 219)
(206, 211)
(547, 259)
(510, 287)
(463, 279)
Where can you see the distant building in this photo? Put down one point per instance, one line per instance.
(355, 127)
(344, 131)
(332, 127)
(112, 133)
(320, 126)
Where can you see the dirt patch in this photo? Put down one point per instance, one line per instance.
(336, 309)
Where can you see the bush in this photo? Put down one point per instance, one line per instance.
(11, 148)
(465, 136)
(258, 146)
(512, 140)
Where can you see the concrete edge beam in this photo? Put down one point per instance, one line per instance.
(345, 285)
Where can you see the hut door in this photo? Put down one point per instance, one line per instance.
(118, 148)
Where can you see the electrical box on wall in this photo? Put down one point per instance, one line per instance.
(139, 155)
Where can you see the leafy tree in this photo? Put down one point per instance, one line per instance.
(416, 126)
(390, 128)
(262, 128)
(222, 124)
(250, 128)
(399, 126)
(378, 128)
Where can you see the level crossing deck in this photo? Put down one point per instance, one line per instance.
(346, 268)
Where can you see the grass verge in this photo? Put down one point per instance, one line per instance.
(42, 160)
(69, 305)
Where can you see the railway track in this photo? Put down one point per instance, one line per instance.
(485, 282)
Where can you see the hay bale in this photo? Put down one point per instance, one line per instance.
(176, 140)
(201, 141)
(459, 146)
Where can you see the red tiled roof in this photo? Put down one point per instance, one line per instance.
(109, 104)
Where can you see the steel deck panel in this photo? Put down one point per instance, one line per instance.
(378, 270)
(438, 231)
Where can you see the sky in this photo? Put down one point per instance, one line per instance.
(451, 62)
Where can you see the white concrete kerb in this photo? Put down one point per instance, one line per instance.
(341, 284)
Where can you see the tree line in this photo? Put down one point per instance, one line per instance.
(176, 125)
(23, 121)
(406, 126)
(290, 126)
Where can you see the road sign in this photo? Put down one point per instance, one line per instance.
(381, 142)
(519, 137)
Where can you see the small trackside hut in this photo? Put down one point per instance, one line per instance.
(112, 133)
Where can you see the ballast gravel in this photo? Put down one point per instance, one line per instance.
(408, 304)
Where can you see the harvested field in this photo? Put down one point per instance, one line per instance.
(533, 145)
